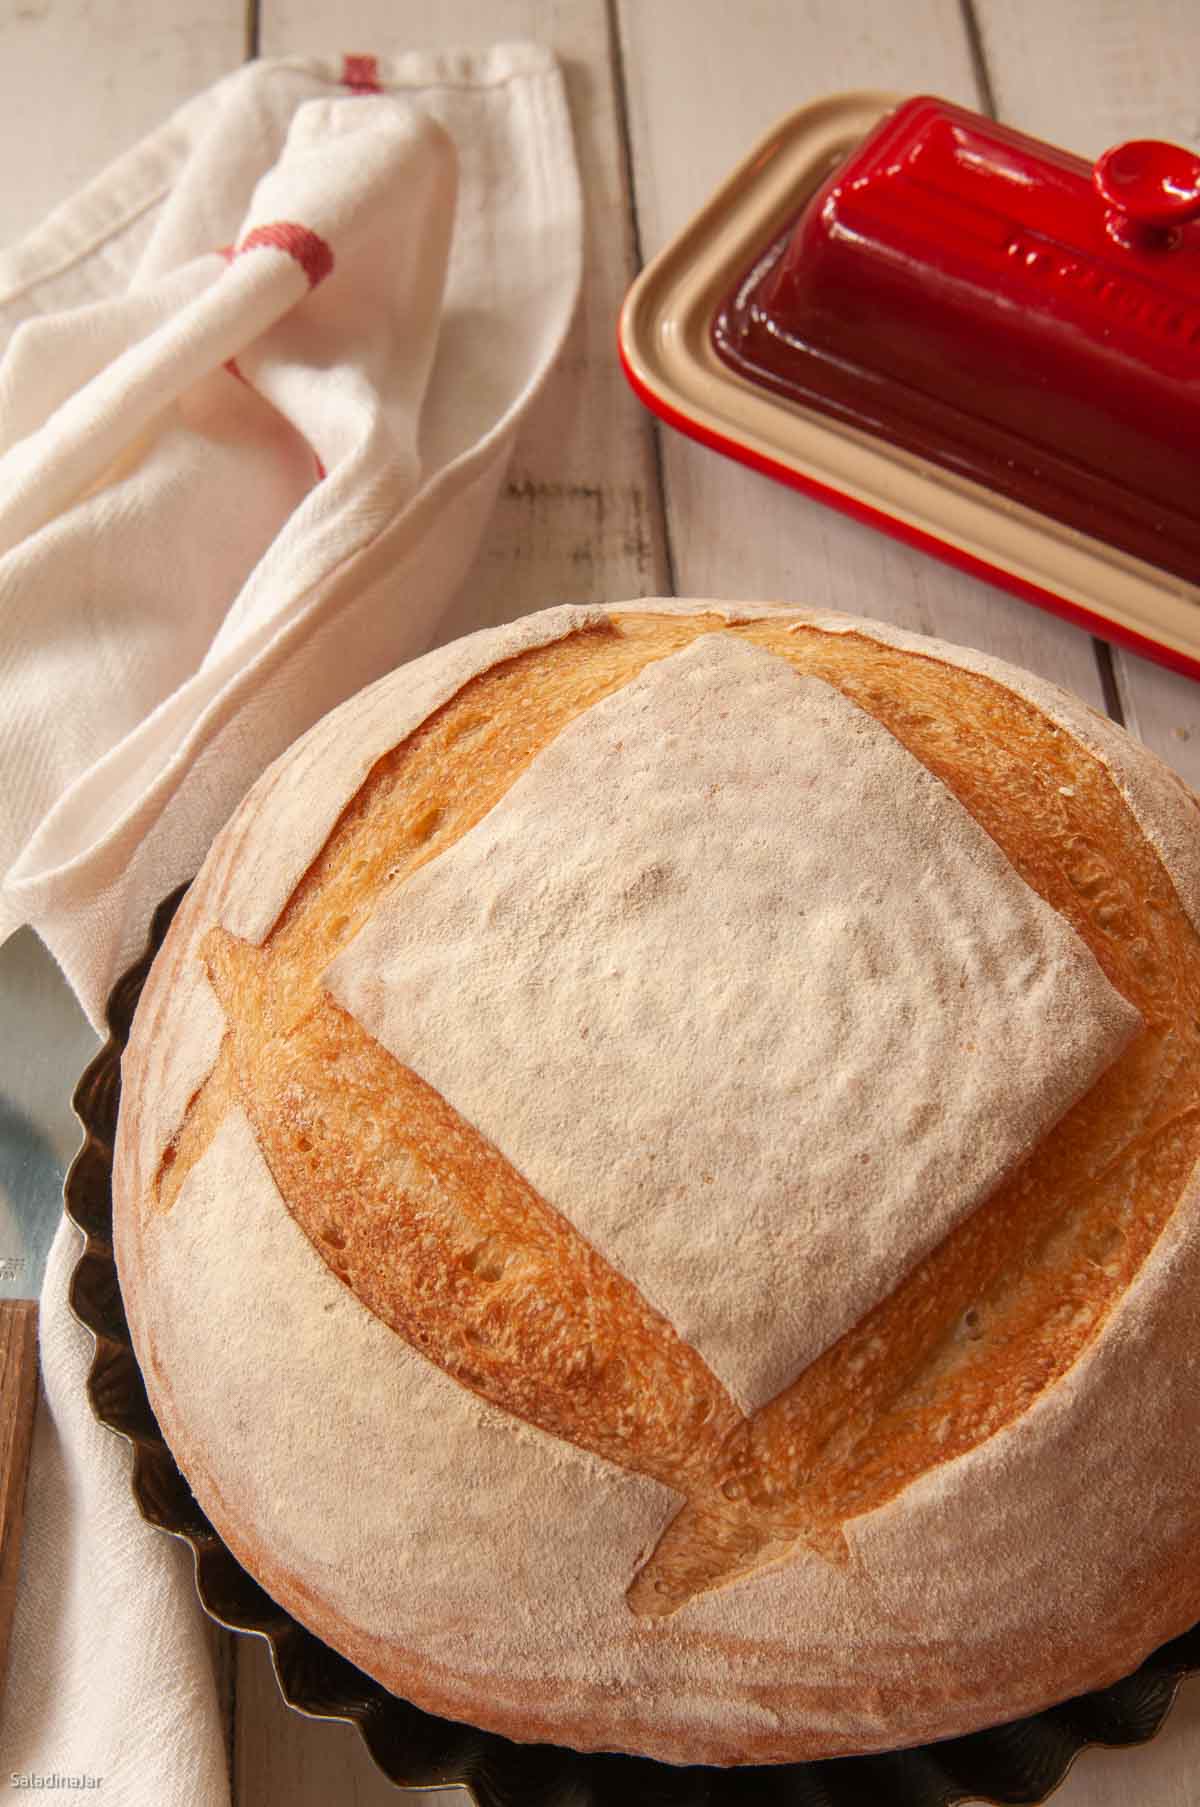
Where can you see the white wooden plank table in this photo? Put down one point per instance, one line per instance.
(665, 96)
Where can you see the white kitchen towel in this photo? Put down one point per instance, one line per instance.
(112, 1694)
(260, 384)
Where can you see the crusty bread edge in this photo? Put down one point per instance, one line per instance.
(1155, 797)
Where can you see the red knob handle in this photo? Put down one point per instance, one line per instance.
(1151, 189)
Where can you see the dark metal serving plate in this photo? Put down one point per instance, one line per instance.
(1017, 1763)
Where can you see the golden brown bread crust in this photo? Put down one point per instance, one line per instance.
(967, 1341)
(489, 1281)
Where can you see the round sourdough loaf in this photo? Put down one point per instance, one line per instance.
(655, 1191)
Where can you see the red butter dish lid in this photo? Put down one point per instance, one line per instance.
(973, 339)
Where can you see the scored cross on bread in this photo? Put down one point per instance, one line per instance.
(439, 1235)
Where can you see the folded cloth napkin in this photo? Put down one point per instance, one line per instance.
(260, 383)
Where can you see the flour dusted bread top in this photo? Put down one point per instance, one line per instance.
(655, 1187)
(674, 963)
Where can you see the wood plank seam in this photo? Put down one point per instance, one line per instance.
(616, 53)
(978, 55)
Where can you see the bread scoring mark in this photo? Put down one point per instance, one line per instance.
(1046, 1258)
(788, 995)
(444, 1240)
(416, 800)
(201, 1120)
(438, 1235)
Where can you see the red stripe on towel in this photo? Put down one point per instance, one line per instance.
(361, 74)
(307, 247)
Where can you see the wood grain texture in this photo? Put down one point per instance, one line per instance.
(18, 1396)
(1086, 74)
(79, 85)
(577, 520)
(705, 81)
